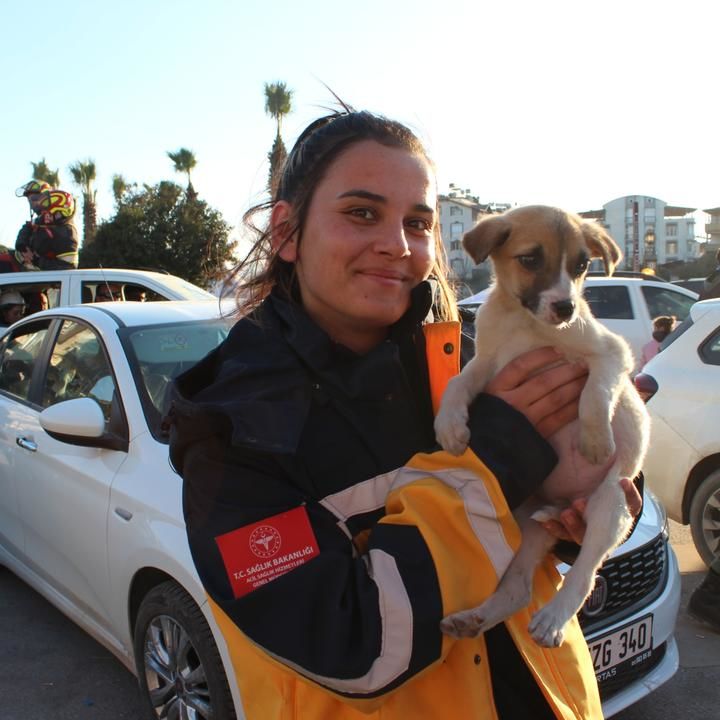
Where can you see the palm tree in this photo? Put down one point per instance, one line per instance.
(120, 186)
(41, 171)
(83, 174)
(185, 161)
(278, 103)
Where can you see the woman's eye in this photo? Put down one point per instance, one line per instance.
(530, 262)
(420, 224)
(363, 213)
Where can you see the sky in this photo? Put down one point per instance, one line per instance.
(568, 103)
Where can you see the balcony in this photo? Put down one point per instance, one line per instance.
(713, 227)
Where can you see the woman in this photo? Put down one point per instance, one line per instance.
(328, 570)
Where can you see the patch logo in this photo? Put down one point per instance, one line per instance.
(265, 541)
(256, 554)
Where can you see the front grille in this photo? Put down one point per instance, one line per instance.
(626, 673)
(633, 579)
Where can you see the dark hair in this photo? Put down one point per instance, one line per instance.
(664, 322)
(315, 150)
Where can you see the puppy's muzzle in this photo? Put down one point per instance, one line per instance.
(563, 309)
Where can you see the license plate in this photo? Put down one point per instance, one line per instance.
(620, 646)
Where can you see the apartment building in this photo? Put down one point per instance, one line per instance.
(650, 232)
(459, 212)
(712, 230)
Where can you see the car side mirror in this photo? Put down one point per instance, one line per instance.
(80, 422)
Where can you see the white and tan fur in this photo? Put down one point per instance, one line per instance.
(540, 256)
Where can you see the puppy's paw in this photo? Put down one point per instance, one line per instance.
(597, 445)
(546, 629)
(464, 624)
(451, 430)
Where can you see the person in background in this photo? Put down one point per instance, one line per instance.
(12, 307)
(135, 293)
(54, 239)
(328, 546)
(37, 301)
(107, 292)
(23, 257)
(704, 602)
(11, 261)
(663, 325)
(711, 286)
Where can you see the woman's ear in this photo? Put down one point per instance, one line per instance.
(283, 243)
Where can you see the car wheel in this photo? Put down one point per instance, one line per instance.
(705, 517)
(179, 667)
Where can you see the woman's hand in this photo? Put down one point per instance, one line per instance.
(543, 387)
(571, 525)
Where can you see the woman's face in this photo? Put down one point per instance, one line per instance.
(367, 241)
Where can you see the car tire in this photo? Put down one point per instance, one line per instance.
(178, 664)
(705, 517)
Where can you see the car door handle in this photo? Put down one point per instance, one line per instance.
(26, 444)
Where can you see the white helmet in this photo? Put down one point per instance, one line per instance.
(10, 298)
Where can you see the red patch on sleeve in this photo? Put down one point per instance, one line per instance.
(258, 553)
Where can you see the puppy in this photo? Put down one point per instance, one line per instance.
(540, 257)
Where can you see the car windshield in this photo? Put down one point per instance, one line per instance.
(159, 353)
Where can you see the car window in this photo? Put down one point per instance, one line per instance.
(665, 301)
(19, 354)
(710, 349)
(78, 368)
(609, 301)
(94, 291)
(159, 353)
(37, 295)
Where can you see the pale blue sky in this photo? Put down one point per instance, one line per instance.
(568, 103)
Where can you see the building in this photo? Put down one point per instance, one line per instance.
(650, 232)
(712, 230)
(459, 212)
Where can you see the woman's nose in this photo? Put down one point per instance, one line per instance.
(392, 240)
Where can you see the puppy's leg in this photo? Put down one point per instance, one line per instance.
(514, 591)
(608, 521)
(451, 422)
(607, 379)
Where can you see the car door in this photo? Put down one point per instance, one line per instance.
(64, 489)
(20, 353)
(616, 306)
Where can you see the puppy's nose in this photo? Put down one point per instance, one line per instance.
(563, 309)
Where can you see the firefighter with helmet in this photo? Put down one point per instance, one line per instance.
(54, 238)
(22, 257)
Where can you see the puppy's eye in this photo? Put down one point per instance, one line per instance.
(581, 267)
(530, 262)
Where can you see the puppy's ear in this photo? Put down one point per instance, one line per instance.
(490, 233)
(601, 245)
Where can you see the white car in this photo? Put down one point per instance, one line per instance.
(72, 287)
(626, 305)
(91, 512)
(681, 386)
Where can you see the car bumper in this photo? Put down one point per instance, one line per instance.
(664, 610)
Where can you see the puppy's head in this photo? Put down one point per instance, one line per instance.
(540, 255)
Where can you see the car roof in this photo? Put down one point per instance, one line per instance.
(704, 306)
(591, 280)
(133, 314)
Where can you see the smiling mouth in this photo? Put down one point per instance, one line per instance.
(384, 275)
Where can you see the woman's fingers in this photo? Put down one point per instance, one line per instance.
(522, 367)
(547, 394)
